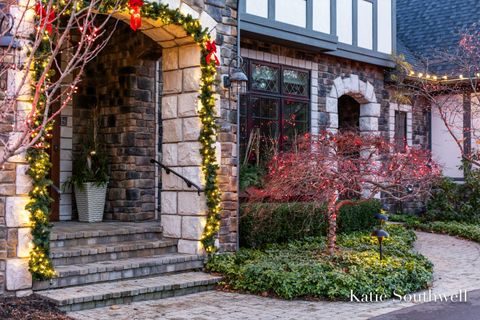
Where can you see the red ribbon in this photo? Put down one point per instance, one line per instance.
(44, 19)
(136, 18)
(212, 52)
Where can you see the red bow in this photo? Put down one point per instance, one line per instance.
(212, 52)
(44, 20)
(136, 18)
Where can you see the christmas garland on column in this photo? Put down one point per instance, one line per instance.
(38, 157)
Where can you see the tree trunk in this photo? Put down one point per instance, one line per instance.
(332, 225)
(333, 209)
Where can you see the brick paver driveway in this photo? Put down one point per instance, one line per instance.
(457, 267)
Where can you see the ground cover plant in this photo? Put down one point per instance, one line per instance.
(304, 269)
(465, 230)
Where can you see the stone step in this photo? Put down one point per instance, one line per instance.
(127, 291)
(106, 252)
(80, 274)
(69, 234)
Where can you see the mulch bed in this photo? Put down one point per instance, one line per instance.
(29, 308)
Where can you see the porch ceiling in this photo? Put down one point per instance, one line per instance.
(166, 35)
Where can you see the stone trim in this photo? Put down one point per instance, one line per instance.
(391, 123)
(361, 91)
(297, 63)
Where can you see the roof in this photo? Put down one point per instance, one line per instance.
(426, 28)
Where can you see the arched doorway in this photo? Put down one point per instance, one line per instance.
(348, 114)
(146, 85)
(351, 100)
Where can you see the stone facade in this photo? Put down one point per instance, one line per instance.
(147, 109)
(334, 77)
(15, 184)
(119, 86)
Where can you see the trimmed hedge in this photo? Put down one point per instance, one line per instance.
(264, 223)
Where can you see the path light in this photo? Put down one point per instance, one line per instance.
(380, 234)
(381, 217)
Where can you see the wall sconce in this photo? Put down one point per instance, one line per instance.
(236, 77)
(6, 26)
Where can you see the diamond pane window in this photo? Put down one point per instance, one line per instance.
(265, 78)
(295, 82)
(275, 112)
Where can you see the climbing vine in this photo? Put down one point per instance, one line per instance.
(38, 157)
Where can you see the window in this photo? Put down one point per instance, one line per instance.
(275, 111)
(400, 131)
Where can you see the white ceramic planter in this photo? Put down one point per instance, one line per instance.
(90, 202)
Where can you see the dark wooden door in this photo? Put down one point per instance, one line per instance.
(55, 170)
(400, 131)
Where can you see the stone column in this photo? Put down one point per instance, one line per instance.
(183, 211)
(15, 184)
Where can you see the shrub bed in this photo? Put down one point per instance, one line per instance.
(456, 202)
(263, 223)
(302, 269)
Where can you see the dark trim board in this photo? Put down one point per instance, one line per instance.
(363, 55)
(267, 29)
(296, 41)
(284, 31)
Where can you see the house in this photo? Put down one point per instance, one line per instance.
(429, 33)
(143, 90)
(312, 65)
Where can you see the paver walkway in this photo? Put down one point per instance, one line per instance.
(457, 267)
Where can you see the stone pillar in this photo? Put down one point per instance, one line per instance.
(15, 184)
(183, 211)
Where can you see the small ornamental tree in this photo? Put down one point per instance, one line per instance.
(334, 169)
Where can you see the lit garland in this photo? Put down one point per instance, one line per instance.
(40, 264)
(38, 158)
(207, 112)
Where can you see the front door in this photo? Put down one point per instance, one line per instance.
(55, 170)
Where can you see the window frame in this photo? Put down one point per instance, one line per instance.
(281, 96)
(400, 146)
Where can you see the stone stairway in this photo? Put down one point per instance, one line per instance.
(109, 263)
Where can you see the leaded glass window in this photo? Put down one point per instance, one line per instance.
(276, 109)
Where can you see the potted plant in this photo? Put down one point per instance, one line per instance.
(89, 181)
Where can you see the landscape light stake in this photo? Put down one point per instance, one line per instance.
(380, 234)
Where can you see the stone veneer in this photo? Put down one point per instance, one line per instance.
(182, 209)
(120, 84)
(335, 77)
(15, 184)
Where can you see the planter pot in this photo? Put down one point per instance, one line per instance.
(90, 202)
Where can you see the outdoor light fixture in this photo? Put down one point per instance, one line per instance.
(381, 217)
(6, 26)
(380, 234)
(236, 75)
(409, 189)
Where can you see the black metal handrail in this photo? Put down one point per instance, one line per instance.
(168, 170)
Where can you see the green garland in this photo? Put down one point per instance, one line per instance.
(38, 158)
